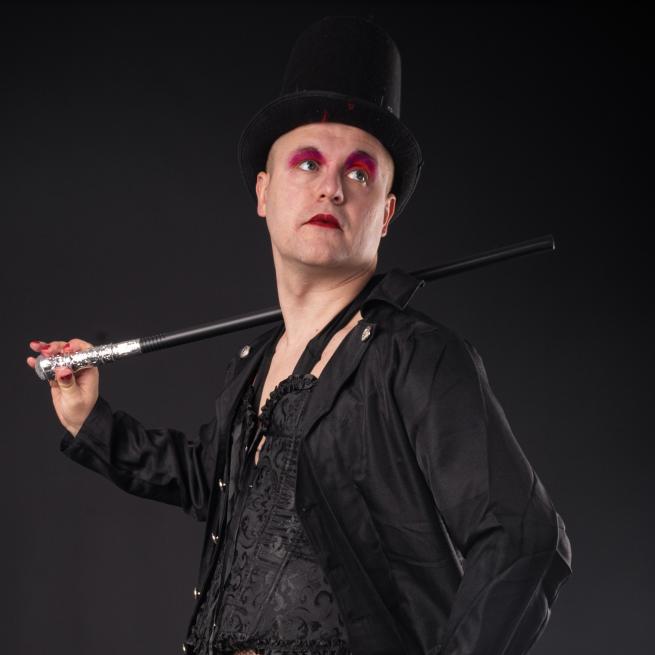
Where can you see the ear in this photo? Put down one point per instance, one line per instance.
(389, 209)
(261, 188)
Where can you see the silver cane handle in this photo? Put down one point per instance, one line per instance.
(46, 366)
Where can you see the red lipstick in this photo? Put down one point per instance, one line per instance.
(325, 220)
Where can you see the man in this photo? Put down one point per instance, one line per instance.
(362, 489)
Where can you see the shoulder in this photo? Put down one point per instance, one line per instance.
(414, 350)
(407, 329)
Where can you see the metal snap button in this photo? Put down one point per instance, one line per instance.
(245, 351)
(366, 333)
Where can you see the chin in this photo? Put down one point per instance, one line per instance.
(322, 262)
(317, 254)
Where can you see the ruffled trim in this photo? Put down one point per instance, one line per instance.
(248, 411)
(295, 382)
(229, 642)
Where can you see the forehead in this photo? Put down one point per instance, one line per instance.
(331, 138)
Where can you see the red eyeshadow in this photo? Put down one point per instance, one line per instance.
(306, 153)
(365, 161)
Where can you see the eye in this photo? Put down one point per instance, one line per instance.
(308, 165)
(359, 174)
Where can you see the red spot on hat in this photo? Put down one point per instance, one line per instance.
(351, 105)
(324, 117)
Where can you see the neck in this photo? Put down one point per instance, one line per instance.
(311, 296)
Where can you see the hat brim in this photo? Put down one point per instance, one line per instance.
(293, 110)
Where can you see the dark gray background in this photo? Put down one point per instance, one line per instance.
(124, 215)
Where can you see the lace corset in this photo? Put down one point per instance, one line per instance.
(268, 591)
(273, 596)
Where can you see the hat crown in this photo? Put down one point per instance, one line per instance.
(342, 69)
(348, 55)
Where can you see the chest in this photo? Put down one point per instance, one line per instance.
(283, 363)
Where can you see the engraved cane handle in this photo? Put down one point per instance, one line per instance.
(46, 366)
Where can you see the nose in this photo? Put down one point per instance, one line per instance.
(330, 186)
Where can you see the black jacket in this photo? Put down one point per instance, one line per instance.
(433, 529)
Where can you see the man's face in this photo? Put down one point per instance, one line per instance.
(333, 169)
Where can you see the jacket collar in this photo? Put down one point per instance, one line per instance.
(395, 287)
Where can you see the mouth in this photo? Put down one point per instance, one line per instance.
(324, 220)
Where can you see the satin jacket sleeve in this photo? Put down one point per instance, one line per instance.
(514, 550)
(161, 464)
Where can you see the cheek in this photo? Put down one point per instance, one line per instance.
(368, 227)
(281, 215)
(285, 195)
(371, 208)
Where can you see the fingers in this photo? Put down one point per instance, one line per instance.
(79, 344)
(42, 348)
(47, 349)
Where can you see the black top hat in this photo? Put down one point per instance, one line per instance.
(342, 69)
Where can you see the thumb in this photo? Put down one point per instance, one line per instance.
(66, 380)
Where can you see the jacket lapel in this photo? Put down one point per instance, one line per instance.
(395, 288)
(336, 373)
(244, 366)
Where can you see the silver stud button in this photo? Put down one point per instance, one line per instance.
(183, 648)
(221, 484)
(366, 333)
(215, 538)
(196, 593)
(245, 351)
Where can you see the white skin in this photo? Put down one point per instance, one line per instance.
(318, 270)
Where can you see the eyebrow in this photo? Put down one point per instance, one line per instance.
(356, 157)
(306, 152)
(362, 157)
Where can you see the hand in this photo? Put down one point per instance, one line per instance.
(73, 394)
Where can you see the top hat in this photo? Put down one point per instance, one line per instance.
(342, 69)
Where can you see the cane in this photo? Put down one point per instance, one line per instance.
(46, 366)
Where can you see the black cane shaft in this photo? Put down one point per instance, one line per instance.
(533, 246)
(208, 330)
